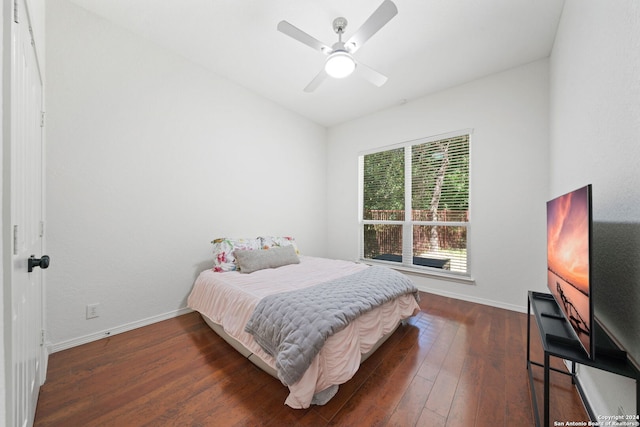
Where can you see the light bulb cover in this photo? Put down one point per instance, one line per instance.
(339, 64)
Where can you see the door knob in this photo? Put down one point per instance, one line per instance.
(37, 262)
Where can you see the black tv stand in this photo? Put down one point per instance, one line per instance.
(571, 342)
(552, 315)
(558, 341)
(611, 352)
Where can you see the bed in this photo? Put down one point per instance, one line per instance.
(230, 295)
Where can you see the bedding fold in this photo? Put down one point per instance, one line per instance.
(293, 326)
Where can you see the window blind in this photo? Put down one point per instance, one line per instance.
(384, 185)
(417, 194)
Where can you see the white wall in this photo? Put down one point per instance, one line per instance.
(595, 138)
(508, 113)
(4, 303)
(149, 158)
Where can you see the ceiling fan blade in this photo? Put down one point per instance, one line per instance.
(301, 36)
(377, 20)
(371, 75)
(317, 80)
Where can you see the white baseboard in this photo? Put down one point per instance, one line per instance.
(64, 345)
(491, 303)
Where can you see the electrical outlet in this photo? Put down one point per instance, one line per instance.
(93, 310)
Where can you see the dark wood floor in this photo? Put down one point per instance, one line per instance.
(455, 364)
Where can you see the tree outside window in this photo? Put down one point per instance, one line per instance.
(415, 204)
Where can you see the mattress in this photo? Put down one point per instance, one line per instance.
(228, 300)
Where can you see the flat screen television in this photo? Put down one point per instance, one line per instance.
(569, 263)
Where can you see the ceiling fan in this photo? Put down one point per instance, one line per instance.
(340, 62)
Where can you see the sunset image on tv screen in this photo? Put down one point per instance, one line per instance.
(568, 222)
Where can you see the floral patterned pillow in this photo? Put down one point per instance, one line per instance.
(271, 241)
(223, 258)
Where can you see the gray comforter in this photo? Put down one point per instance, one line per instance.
(293, 326)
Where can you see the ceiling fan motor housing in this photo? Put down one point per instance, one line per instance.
(339, 24)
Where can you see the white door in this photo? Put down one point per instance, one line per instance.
(27, 356)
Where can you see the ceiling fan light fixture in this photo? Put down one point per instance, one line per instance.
(340, 64)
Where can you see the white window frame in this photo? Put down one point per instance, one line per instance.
(408, 223)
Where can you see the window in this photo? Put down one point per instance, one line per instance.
(415, 204)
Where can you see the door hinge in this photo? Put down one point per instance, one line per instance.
(15, 240)
(43, 335)
(33, 40)
(41, 119)
(41, 228)
(15, 11)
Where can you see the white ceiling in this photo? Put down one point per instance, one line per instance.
(428, 46)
